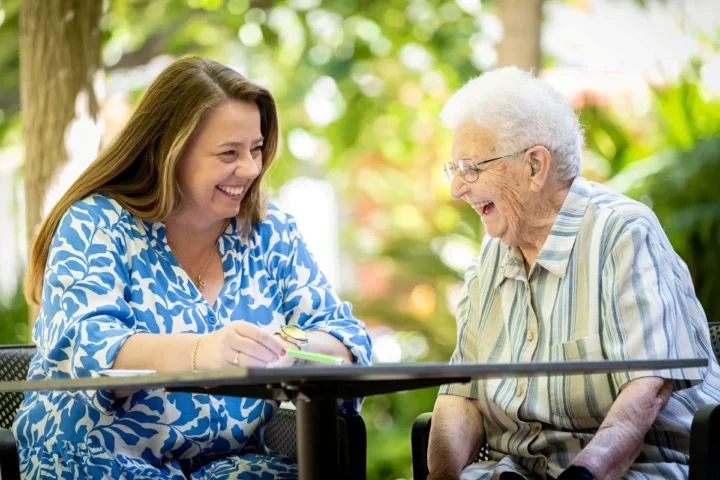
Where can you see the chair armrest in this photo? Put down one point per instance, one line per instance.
(419, 439)
(9, 468)
(705, 443)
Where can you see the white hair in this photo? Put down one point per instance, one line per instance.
(524, 111)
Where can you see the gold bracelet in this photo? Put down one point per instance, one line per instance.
(194, 351)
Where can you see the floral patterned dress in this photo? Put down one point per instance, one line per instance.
(109, 275)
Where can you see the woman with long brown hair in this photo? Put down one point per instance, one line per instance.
(164, 255)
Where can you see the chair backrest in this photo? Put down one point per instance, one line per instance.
(14, 363)
(715, 338)
(280, 436)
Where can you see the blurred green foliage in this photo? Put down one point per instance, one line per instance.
(13, 319)
(684, 195)
(670, 160)
(679, 181)
(364, 82)
(381, 70)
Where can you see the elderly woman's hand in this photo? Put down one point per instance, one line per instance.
(240, 344)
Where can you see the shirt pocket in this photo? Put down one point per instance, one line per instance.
(579, 401)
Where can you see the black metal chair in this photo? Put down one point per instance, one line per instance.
(14, 363)
(704, 435)
(280, 433)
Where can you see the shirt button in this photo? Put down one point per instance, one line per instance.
(542, 463)
(211, 318)
(535, 429)
(520, 391)
(531, 336)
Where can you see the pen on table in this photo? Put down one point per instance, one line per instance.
(314, 357)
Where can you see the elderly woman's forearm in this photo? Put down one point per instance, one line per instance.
(619, 439)
(456, 435)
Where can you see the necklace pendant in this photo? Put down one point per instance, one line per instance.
(200, 284)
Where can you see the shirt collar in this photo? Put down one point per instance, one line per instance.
(511, 266)
(555, 253)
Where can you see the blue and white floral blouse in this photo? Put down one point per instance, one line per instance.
(110, 275)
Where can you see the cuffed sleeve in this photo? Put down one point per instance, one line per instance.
(84, 318)
(643, 317)
(310, 303)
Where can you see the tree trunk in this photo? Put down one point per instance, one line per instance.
(521, 20)
(59, 58)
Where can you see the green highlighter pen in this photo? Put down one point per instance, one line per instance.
(314, 357)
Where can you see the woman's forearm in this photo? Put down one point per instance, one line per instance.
(173, 352)
(159, 352)
(323, 342)
(619, 439)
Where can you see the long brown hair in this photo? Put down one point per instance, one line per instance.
(138, 168)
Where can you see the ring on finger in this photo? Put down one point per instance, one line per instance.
(236, 360)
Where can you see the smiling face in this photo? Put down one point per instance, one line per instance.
(222, 160)
(501, 192)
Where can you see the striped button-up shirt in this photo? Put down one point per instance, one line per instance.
(606, 285)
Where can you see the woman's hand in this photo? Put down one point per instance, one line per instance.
(238, 344)
(285, 361)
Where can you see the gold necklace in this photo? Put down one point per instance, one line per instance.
(199, 282)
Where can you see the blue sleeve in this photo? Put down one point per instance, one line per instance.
(84, 318)
(310, 303)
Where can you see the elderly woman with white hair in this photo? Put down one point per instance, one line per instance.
(568, 270)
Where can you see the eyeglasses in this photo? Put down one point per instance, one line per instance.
(470, 169)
